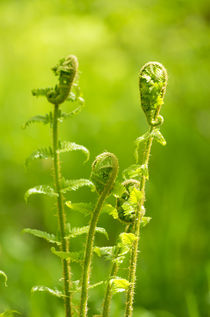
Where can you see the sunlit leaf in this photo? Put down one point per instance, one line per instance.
(119, 285)
(46, 289)
(41, 189)
(43, 235)
(106, 252)
(159, 137)
(110, 210)
(39, 119)
(66, 146)
(4, 276)
(73, 256)
(83, 208)
(74, 184)
(135, 171)
(42, 153)
(145, 221)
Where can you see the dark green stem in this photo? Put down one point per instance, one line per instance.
(134, 253)
(61, 216)
(90, 240)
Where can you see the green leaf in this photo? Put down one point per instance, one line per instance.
(106, 252)
(159, 137)
(138, 141)
(9, 313)
(74, 184)
(66, 115)
(41, 189)
(110, 210)
(145, 221)
(73, 256)
(43, 235)
(127, 239)
(3, 274)
(46, 289)
(39, 119)
(66, 146)
(135, 171)
(75, 232)
(119, 285)
(83, 208)
(40, 154)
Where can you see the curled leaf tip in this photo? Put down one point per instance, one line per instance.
(66, 70)
(152, 85)
(104, 171)
(127, 204)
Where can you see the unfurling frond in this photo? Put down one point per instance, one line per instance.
(152, 85)
(104, 172)
(39, 119)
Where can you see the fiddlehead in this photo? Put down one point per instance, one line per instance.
(66, 70)
(103, 175)
(152, 86)
(127, 204)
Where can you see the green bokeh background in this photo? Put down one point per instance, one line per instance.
(112, 40)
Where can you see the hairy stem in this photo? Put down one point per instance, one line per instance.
(134, 253)
(108, 294)
(90, 240)
(61, 216)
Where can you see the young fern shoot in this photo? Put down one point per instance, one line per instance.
(152, 85)
(66, 71)
(104, 173)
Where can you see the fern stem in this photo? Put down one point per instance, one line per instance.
(108, 294)
(90, 239)
(61, 215)
(134, 253)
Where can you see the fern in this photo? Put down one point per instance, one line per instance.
(84, 208)
(73, 256)
(42, 153)
(48, 290)
(43, 235)
(41, 189)
(39, 119)
(75, 184)
(66, 146)
(75, 232)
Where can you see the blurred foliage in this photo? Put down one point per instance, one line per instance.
(112, 40)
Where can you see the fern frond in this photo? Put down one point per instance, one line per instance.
(42, 153)
(66, 146)
(158, 137)
(39, 119)
(73, 256)
(9, 313)
(48, 290)
(75, 232)
(74, 184)
(41, 189)
(43, 235)
(84, 208)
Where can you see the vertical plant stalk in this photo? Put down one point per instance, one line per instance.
(108, 294)
(104, 189)
(61, 215)
(134, 253)
(125, 219)
(152, 84)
